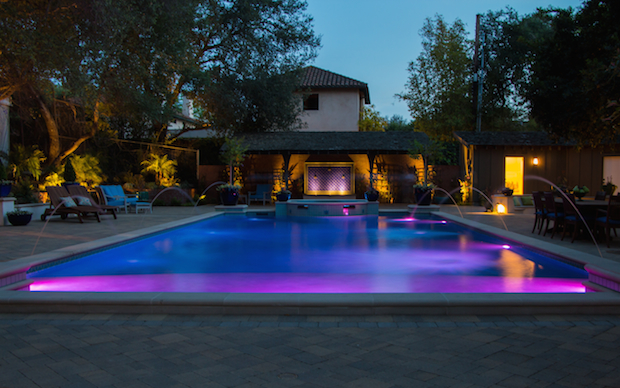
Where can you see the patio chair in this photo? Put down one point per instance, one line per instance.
(571, 216)
(82, 197)
(62, 204)
(143, 203)
(113, 195)
(539, 211)
(609, 219)
(554, 213)
(262, 193)
(600, 196)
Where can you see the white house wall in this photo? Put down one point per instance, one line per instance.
(339, 111)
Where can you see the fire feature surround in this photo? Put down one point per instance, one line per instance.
(329, 178)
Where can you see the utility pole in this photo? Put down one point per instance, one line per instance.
(478, 73)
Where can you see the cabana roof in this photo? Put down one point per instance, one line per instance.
(508, 139)
(332, 142)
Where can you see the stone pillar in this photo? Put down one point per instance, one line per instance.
(7, 204)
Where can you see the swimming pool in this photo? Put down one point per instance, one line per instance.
(362, 254)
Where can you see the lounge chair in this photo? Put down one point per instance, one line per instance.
(62, 204)
(113, 195)
(262, 193)
(82, 197)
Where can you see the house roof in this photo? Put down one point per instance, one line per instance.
(508, 139)
(332, 142)
(315, 78)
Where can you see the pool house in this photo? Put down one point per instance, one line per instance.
(335, 164)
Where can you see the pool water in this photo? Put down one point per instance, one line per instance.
(365, 254)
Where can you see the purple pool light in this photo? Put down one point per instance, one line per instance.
(315, 255)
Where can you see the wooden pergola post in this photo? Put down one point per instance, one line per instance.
(286, 156)
(371, 163)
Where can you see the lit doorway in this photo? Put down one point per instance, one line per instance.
(514, 174)
(611, 170)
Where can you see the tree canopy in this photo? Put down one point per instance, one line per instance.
(438, 91)
(574, 80)
(371, 121)
(508, 43)
(124, 65)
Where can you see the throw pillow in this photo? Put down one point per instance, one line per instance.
(82, 201)
(69, 202)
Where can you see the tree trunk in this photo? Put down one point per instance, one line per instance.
(52, 129)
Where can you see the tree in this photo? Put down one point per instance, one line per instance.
(438, 91)
(131, 60)
(32, 34)
(163, 168)
(398, 123)
(430, 152)
(508, 42)
(233, 154)
(244, 63)
(572, 78)
(371, 121)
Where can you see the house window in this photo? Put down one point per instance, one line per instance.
(311, 102)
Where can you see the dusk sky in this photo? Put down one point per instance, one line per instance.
(373, 41)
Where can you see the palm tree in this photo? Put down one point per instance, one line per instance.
(163, 168)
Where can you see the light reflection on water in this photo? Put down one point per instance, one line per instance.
(314, 255)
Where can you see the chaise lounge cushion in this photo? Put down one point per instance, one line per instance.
(115, 196)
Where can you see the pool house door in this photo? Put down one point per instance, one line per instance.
(513, 177)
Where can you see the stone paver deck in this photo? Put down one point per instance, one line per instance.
(117, 350)
(308, 351)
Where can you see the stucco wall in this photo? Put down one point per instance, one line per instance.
(339, 111)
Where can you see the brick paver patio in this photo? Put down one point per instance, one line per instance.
(308, 351)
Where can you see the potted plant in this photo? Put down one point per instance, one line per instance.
(233, 153)
(423, 193)
(229, 194)
(580, 191)
(371, 194)
(283, 195)
(609, 188)
(19, 217)
(69, 174)
(5, 184)
(430, 152)
(507, 191)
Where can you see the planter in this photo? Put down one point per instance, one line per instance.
(5, 189)
(507, 192)
(283, 197)
(229, 197)
(423, 197)
(37, 209)
(371, 196)
(19, 219)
